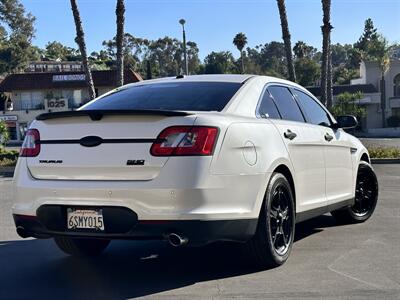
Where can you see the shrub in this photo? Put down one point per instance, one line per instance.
(347, 104)
(4, 134)
(384, 152)
(5, 162)
(8, 157)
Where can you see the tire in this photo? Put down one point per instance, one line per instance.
(81, 247)
(272, 243)
(366, 197)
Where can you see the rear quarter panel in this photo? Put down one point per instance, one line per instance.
(249, 149)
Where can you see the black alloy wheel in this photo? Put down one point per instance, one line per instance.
(365, 200)
(271, 245)
(281, 220)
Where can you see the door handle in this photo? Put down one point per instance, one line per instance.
(328, 137)
(289, 134)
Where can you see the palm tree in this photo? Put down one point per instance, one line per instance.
(286, 39)
(240, 42)
(120, 11)
(329, 89)
(326, 72)
(80, 40)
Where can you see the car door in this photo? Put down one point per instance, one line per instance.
(337, 150)
(305, 147)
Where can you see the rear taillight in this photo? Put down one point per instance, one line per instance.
(185, 140)
(31, 145)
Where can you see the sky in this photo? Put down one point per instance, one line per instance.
(212, 24)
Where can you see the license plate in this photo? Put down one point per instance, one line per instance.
(85, 219)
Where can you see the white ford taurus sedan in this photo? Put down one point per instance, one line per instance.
(191, 160)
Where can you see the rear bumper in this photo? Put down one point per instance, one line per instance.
(123, 224)
(201, 206)
(185, 195)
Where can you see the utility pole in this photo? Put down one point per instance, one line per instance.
(182, 22)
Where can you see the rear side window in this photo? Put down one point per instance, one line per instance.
(286, 104)
(190, 96)
(267, 107)
(315, 114)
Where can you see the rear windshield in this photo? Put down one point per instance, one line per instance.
(191, 96)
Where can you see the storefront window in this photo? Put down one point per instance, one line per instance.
(67, 94)
(26, 101)
(32, 100)
(37, 100)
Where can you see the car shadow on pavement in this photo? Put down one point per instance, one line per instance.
(313, 226)
(36, 269)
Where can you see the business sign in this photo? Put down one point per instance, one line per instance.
(9, 118)
(56, 103)
(69, 77)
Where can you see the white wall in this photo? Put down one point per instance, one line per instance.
(389, 77)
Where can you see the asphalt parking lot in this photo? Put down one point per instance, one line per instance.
(328, 261)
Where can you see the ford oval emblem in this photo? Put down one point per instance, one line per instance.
(91, 141)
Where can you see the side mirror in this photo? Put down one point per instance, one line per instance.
(346, 122)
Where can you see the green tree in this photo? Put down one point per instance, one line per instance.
(348, 104)
(286, 39)
(167, 57)
(219, 62)
(164, 55)
(193, 57)
(360, 48)
(345, 63)
(340, 54)
(308, 71)
(268, 59)
(240, 41)
(80, 40)
(120, 12)
(16, 34)
(378, 50)
(56, 50)
(133, 50)
(302, 50)
(343, 75)
(100, 60)
(369, 35)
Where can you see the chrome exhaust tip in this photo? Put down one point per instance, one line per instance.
(176, 240)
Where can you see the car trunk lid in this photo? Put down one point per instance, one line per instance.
(101, 145)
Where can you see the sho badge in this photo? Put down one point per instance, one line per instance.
(135, 162)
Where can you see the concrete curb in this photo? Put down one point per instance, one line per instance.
(385, 161)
